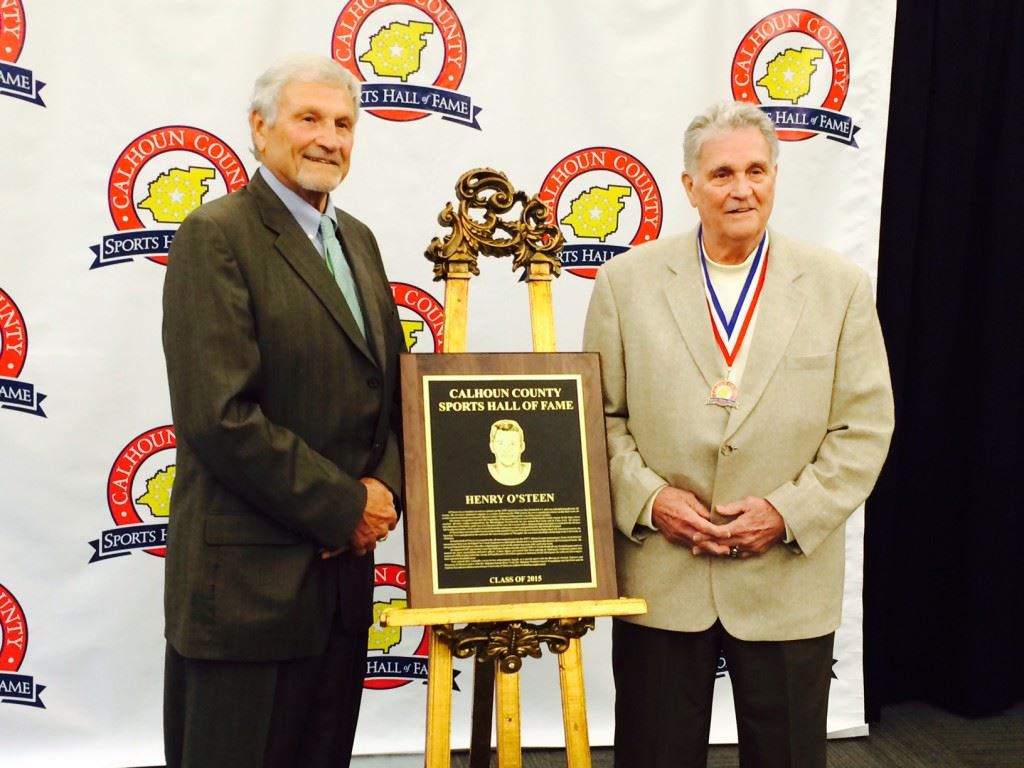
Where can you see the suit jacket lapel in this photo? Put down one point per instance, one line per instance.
(685, 294)
(781, 305)
(298, 251)
(366, 278)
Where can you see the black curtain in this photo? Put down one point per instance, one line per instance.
(944, 549)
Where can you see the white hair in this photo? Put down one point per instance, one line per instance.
(303, 68)
(723, 117)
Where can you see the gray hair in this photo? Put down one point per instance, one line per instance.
(723, 117)
(304, 68)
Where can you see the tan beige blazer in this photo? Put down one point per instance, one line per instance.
(810, 432)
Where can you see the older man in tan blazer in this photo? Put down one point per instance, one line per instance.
(282, 344)
(748, 410)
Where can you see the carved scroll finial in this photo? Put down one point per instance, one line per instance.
(508, 642)
(477, 227)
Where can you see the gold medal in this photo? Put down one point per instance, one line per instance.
(723, 393)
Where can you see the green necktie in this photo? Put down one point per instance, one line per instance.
(340, 270)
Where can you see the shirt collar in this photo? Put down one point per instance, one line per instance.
(306, 215)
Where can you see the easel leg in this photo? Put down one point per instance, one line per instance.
(509, 747)
(542, 317)
(574, 706)
(439, 704)
(456, 309)
(483, 713)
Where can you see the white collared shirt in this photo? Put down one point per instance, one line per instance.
(307, 217)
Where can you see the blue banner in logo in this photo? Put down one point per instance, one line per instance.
(125, 539)
(21, 396)
(20, 689)
(834, 125)
(18, 83)
(450, 105)
(125, 246)
(580, 255)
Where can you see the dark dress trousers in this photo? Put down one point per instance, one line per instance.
(280, 406)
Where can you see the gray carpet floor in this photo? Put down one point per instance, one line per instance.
(910, 735)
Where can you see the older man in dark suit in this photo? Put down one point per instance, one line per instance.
(282, 343)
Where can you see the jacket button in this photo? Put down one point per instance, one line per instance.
(373, 382)
(727, 449)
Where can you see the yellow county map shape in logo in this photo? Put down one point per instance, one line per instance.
(395, 49)
(383, 638)
(595, 212)
(158, 492)
(175, 194)
(789, 74)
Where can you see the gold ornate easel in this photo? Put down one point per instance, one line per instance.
(500, 636)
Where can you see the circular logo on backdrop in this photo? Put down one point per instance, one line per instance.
(795, 65)
(16, 82)
(15, 688)
(410, 57)
(159, 179)
(422, 318)
(139, 496)
(396, 655)
(15, 394)
(605, 201)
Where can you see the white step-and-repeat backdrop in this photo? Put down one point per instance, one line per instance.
(109, 109)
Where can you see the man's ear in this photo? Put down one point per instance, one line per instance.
(688, 186)
(258, 127)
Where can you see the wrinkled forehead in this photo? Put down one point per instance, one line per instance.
(736, 147)
(299, 94)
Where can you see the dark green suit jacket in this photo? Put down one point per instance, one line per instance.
(279, 407)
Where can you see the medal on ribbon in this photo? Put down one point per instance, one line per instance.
(730, 332)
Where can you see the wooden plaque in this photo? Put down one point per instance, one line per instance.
(506, 476)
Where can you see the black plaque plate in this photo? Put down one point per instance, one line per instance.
(506, 479)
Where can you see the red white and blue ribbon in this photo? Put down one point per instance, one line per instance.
(732, 330)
